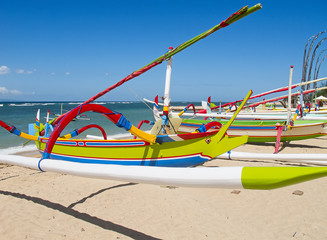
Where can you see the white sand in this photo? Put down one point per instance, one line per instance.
(36, 205)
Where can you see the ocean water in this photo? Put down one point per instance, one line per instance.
(20, 114)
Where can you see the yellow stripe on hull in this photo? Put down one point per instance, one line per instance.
(205, 147)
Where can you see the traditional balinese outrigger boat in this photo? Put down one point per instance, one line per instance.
(172, 150)
(304, 109)
(256, 130)
(156, 147)
(262, 130)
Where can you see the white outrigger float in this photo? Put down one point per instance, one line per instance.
(259, 178)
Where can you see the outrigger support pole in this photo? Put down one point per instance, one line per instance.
(289, 111)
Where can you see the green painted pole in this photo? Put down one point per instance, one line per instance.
(244, 11)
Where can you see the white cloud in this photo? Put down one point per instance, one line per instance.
(3, 90)
(4, 70)
(22, 71)
(67, 73)
(15, 92)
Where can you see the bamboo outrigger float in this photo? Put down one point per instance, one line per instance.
(259, 178)
(181, 150)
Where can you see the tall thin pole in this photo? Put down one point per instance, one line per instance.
(165, 117)
(315, 72)
(167, 84)
(311, 63)
(220, 107)
(318, 69)
(289, 112)
(301, 98)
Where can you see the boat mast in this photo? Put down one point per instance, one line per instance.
(167, 84)
(289, 111)
(165, 117)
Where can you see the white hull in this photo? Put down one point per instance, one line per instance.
(260, 178)
(218, 177)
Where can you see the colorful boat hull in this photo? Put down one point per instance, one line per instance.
(264, 131)
(190, 151)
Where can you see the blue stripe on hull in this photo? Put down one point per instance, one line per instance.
(186, 161)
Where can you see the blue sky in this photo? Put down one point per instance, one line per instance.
(71, 50)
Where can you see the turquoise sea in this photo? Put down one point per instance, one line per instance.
(20, 114)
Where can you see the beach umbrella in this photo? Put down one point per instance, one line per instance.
(321, 98)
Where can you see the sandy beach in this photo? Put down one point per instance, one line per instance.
(44, 205)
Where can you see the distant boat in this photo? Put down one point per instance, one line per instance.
(79, 117)
(265, 131)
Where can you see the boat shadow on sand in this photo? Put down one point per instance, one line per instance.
(108, 225)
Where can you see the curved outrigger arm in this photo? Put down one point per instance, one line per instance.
(206, 127)
(225, 127)
(116, 118)
(79, 131)
(186, 108)
(19, 133)
(141, 123)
